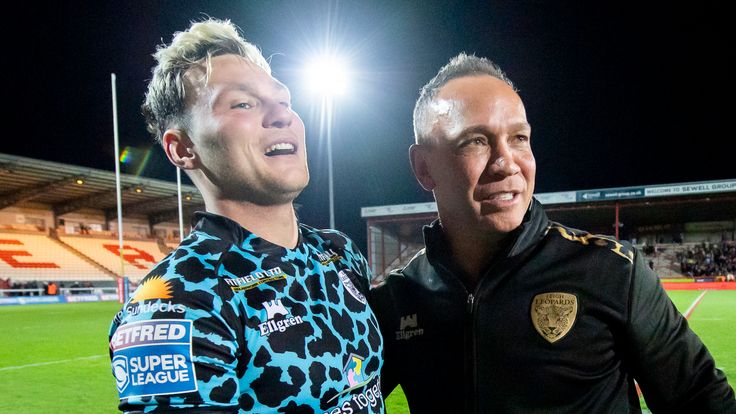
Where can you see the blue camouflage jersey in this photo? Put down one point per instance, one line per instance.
(229, 322)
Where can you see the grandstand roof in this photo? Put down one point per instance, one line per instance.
(595, 210)
(66, 188)
(648, 212)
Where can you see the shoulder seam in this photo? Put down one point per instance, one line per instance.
(585, 239)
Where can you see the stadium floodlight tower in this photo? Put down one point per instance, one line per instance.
(327, 77)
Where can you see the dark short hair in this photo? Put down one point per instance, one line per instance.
(459, 66)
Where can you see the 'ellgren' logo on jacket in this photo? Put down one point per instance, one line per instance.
(553, 314)
(408, 327)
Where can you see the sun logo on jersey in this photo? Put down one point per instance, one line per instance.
(153, 288)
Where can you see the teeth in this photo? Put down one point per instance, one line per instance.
(505, 196)
(281, 146)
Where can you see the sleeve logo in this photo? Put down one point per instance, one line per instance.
(153, 358)
(350, 287)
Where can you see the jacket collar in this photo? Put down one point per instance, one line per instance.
(533, 227)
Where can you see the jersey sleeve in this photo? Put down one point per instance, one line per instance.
(673, 367)
(175, 344)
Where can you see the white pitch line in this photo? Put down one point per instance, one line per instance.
(695, 303)
(686, 315)
(40, 364)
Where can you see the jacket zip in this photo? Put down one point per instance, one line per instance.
(470, 362)
(469, 404)
(470, 398)
(470, 301)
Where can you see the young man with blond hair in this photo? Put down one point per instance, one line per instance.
(254, 311)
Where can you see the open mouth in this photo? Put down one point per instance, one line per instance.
(501, 196)
(281, 148)
(505, 196)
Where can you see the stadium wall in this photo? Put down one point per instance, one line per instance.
(47, 299)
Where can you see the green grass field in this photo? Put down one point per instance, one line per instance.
(53, 358)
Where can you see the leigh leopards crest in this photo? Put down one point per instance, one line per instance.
(553, 314)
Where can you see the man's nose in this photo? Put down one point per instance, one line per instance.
(278, 116)
(503, 161)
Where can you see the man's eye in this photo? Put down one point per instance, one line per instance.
(522, 138)
(475, 141)
(243, 105)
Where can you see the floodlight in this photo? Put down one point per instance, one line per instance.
(327, 76)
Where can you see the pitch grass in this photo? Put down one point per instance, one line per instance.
(54, 358)
(713, 320)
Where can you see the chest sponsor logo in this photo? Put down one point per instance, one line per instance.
(153, 358)
(408, 328)
(146, 298)
(350, 287)
(254, 279)
(278, 318)
(328, 256)
(369, 396)
(553, 314)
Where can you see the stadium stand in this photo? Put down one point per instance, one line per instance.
(139, 255)
(708, 259)
(58, 223)
(27, 257)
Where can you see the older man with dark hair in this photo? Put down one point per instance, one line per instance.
(506, 311)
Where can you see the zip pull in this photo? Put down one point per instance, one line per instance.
(470, 301)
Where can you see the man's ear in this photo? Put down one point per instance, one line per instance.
(179, 148)
(420, 165)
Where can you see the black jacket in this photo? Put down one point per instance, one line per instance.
(562, 322)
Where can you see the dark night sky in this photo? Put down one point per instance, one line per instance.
(608, 88)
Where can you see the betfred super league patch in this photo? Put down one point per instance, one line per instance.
(153, 358)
